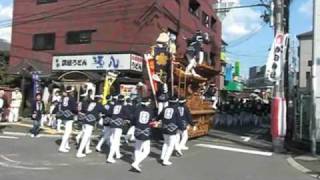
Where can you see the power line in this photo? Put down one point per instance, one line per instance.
(41, 13)
(57, 14)
(248, 37)
(246, 55)
(102, 16)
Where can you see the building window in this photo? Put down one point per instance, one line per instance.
(79, 37)
(206, 57)
(205, 19)
(44, 41)
(212, 57)
(310, 63)
(308, 75)
(213, 22)
(194, 7)
(46, 1)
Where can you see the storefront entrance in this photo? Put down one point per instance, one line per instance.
(83, 83)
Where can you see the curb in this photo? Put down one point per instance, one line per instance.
(251, 143)
(301, 168)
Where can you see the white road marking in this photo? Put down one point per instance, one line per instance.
(23, 167)
(50, 135)
(61, 164)
(18, 165)
(15, 133)
(8, 137)
(298, 166)
(245, 138)
(235, 149)
(40, 135)
(10, 160)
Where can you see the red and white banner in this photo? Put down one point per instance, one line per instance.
(276, 57)
(150, 63)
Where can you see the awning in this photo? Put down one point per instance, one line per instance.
(234, 86)
(27, 66)
(128, 80)
(206, 70)
(80, 76)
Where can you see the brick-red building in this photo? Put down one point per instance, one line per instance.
(42, 28)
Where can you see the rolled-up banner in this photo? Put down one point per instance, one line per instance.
(151, 72)
(109, 80)
(35, 84)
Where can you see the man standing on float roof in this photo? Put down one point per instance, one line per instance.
(67, 110)
(195, 53)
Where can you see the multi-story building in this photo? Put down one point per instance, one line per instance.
(4, 46)
(305, 59)
(253, 72)
(77, 32)
(303, 99)
(257, 77)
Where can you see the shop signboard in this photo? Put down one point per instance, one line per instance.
(276, 58)
(96, 62)
(128, 89)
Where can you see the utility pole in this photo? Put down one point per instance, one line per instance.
(279, 102)
(315, 123)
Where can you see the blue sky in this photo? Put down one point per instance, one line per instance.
(249, 39)
(252, 48)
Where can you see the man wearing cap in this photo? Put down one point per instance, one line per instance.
(119, 114)
(169, 117)
(195, 51)
(210, 94)
(185, 119)
(131, 109)
(143, 115)
(92, 115)
(162, 97)
(67, 111)
(2, 104)
(55, 99)
(85, 99)
(16, 99)
(106, 122)
(38, 110)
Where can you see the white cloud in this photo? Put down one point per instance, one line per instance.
(306, 7)
(240, 22)
(5, 14)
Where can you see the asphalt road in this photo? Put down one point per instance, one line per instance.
(24, 158)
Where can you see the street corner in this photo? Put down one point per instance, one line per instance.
(307, 164)
(22, 128)
(9, 161)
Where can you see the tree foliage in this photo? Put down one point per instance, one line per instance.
(5, 79)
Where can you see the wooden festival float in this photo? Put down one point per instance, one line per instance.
(168, 66)
(189, 86)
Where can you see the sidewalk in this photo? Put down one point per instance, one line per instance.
(307, 164)
(260, 139)
(254, 137)
(23, 127)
